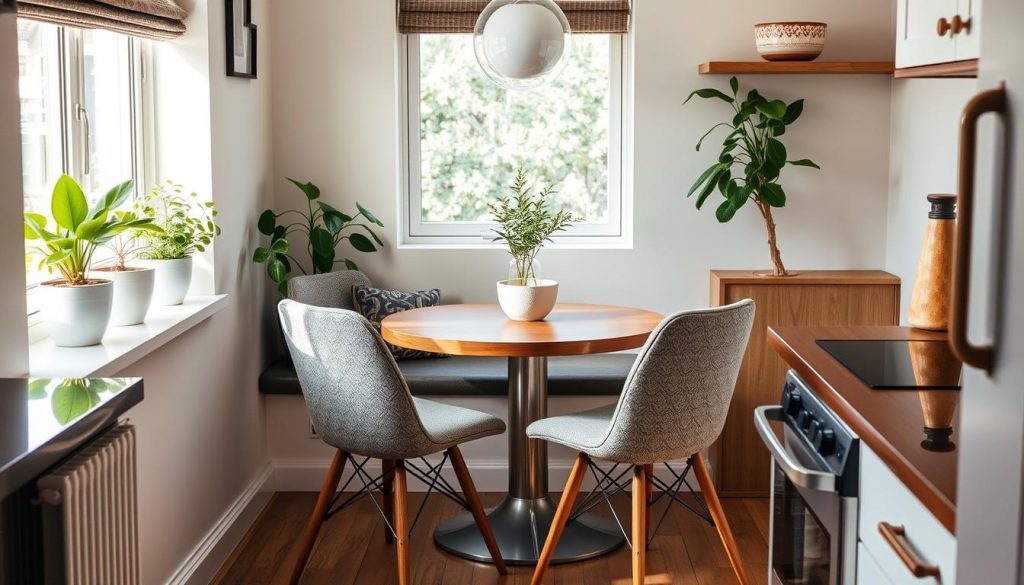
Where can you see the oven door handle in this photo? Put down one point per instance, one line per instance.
(801, 476)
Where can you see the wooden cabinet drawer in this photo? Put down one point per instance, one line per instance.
(868, 571)
(883, 498)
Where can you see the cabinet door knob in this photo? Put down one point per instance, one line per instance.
(943, 26)
(960, 25)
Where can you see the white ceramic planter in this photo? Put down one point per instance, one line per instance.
(76, 316)
(527, 302)
(173, 277)
(133, 293)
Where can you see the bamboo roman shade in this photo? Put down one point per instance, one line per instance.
(151, 19)
(459, 16)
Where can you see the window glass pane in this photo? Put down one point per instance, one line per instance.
(474, 135)
(42, 147)
(106, 87)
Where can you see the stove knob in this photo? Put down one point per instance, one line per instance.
(825, 441)
(792, 404)
(803, 420)
(814, 429)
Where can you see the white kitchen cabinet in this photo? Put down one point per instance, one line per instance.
(936, 31)
(884, 499)
(868, 571)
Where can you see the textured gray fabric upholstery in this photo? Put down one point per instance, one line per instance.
(356, 395)
(676, 397)
(333, 290)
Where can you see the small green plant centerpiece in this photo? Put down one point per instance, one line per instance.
(525, 223)
(77, 307)
(323, 229)
(752, 146)
(188, 225)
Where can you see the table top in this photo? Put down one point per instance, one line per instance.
(483, 330)
(893, 423)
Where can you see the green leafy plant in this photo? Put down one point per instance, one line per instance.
(323, 229)
(73, 397)
(69, 247)
(187, 224)
(753, 147)
(525, 224)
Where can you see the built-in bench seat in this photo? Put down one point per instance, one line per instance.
(596, 375)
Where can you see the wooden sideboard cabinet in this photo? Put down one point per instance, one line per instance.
(811, 298)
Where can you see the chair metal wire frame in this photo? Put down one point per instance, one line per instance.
(605, 480)
(428, 474)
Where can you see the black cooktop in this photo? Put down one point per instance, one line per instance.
(896, 364)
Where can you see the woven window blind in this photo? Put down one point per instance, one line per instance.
(459, 16)
(151, 19)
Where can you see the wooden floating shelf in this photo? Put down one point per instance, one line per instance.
(955, 69)
(798, 67)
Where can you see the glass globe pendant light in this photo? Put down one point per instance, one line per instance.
(522, 44)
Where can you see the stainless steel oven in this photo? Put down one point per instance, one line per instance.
(814, 489)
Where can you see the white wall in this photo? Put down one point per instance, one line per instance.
(200, 427)
(923, 160)
(335, 122)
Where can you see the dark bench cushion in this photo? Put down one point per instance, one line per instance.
(593, 375)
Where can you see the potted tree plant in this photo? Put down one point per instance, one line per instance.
(76, 308)
(133, 285)
(525, 224)
(753, 144)
(187, 226)
(323, 229)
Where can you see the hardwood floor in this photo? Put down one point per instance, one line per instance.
(351, 549)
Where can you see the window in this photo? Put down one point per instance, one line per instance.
(465, 137)
(79, 113)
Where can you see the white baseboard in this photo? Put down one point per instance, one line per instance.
(488, 475)
(206, 558)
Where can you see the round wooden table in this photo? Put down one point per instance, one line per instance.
(522, 520)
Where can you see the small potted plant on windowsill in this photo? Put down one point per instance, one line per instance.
(187, 225)
(75, 308)
(525, 224)
(133, 285)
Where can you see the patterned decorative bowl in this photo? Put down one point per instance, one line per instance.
(790, 41)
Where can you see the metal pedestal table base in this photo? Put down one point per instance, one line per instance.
(521, 522)
(521, 527)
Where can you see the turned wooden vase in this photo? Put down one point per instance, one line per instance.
(929, 302)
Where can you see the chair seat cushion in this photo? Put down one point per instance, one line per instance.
(586, 375)
(449, 425)
(582, 431)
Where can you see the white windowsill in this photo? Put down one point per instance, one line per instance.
(122, 346)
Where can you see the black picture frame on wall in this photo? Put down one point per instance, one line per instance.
(241, 38)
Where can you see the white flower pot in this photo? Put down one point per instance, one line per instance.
(529, 301)
(76, 316)
(133, 293)
(173, 277)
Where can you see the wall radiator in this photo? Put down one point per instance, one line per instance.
(90, 514)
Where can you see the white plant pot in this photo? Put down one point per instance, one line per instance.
(531, 301)
(173, 277)
(133, 293)
(76, 316)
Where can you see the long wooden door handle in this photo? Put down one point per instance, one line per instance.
(979, 356)
(896, 536)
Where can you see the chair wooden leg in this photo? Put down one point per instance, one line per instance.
(477, 509)
(639, 536)
(402, 522)
(718, 515)
(316, 519)
(388, 495)
(649, 475)
(572, 489)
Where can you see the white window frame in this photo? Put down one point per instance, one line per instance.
(75, 140)
(616, 234)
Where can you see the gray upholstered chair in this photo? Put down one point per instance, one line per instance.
(333, 289)
(361, 406)
(673, 407)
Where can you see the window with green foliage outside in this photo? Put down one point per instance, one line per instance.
(466, 138)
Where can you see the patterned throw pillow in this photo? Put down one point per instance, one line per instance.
(375, 304)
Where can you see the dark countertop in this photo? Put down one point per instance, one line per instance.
(890, 422)
(43, 421)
